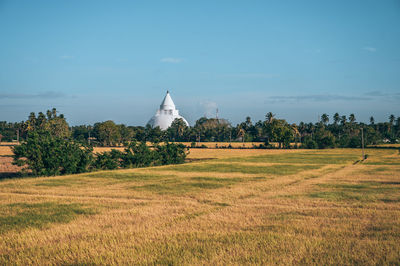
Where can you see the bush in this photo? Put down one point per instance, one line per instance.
(309, 144)
(326, 140)
(354, 142)
(138, 154)
(170, 153)
(108, 160)
(45, 154)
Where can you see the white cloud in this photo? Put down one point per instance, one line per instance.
(41, 95)
(173, 60)
(66, 57)
(209, 108)
(369, 49)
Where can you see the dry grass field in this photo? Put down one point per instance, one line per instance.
(237, 207)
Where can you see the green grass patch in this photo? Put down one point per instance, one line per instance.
(215, 203)
(369, 191)
(182, 185)
(177, 188)
(132, 176)
(64, 182)
(301, 157)
(279, 169)
(19, 216)
(231, 180)
(384, 161)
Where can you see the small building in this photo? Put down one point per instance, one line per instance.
(166, 114)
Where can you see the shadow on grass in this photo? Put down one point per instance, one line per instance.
(18, 216)
(366, 191)
(11, 175)
(279, 169)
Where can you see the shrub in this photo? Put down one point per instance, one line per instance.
(108, 160)
(325, 140)
(137, 154)
(354, 142)
(170, 153)
(45, 154)
(309, 143)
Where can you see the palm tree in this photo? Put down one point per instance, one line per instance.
(352, 118)
(343, 120)
(269, 117)
(48, 113)
(296, 132)
(54, 112)
(248, 122)
(336, 118)
(391, 119)
(241, 134)
(372, 120)
(324, 119)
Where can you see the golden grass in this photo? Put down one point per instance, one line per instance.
(339, 213)
(5, 150)
(388, 145)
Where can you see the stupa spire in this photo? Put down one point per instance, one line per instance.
(166, 114)
(167, 103)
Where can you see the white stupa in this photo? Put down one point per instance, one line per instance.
(166, 114)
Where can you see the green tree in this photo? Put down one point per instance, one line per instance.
(372, 120)
(56, 125)
(46, 154)
(343, 120)
(177, 130)
(107, 133)
(352, 118)
(336, 118)
(324, 139)
(280, 131)
(324, 119)
(269, 117)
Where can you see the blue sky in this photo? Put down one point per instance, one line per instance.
(100, 60)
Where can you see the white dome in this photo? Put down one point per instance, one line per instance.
(166, 114)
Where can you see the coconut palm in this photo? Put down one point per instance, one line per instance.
(269, 117)
(391, 119)
(324, 119)
(295, 132)
(372, 120)
(241, 134)
(352, 118)
(343, 120)
(336, 118)
(248, 122)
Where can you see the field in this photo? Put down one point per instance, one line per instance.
(229, 207)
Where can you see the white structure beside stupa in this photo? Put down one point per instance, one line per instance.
(166, 114)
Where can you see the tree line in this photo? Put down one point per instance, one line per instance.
(335, 131)
(48, 147)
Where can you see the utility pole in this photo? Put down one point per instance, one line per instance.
(362, 143)
(17, 135)
(89, 138)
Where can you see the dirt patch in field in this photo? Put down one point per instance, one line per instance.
(5, 150)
